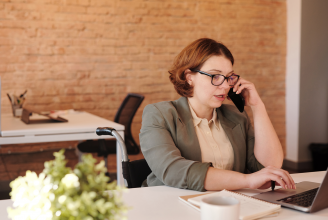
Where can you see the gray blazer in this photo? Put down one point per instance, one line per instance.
(170, 145)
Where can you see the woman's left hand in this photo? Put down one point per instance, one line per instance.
(248, 91)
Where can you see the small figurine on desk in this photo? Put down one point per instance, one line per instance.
(17, 103)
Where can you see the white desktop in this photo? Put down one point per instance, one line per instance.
(80, 126)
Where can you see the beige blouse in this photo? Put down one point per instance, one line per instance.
(214, 143)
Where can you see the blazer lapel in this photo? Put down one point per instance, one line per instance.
(186, 135)
(188, 143)
(236, 137)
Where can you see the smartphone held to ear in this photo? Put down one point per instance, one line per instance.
(237, 99)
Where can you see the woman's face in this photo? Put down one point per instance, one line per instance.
(206, 94)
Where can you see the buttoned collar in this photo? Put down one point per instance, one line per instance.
(197, 120)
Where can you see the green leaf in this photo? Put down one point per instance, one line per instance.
(59, 193)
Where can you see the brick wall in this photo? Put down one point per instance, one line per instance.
(87, 54)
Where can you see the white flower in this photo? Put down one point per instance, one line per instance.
(62, 199)
(71, 181)
(58, 213)
(38, 198)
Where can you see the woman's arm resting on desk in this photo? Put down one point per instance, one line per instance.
(217, 179)
(267, 148)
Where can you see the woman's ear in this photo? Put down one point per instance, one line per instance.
(188, 76)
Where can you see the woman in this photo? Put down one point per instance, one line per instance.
(198, 143)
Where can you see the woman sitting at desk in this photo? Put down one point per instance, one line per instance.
(198, 143)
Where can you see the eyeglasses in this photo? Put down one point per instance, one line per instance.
(218, 79)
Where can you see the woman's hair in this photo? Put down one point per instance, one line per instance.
(193, 57)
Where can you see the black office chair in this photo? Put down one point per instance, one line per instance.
(124, 116)
(134, 172)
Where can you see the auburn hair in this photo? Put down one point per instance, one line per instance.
(193, 57)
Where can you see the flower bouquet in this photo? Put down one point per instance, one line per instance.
(60, 193)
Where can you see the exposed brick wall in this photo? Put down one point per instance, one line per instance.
(87, 54)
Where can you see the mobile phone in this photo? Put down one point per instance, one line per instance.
(237, 99)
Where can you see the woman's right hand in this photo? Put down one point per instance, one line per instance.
(262, 179)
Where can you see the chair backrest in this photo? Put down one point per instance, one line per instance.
(125, 115)
(127, 110)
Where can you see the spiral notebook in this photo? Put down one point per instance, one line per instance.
(250, 208)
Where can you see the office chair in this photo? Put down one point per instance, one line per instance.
(124, 116)
(134, 172)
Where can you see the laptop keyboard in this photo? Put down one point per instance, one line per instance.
(304, 199)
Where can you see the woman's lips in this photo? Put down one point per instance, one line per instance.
(220, 97)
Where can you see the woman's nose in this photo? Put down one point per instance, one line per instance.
(225, 85)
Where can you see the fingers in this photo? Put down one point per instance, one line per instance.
(248, 91)
(287, 178)
(284, 178)
(262, 178)
(279, 180)
(238, 88)
(240, 83)
(293, 186)
(242, 87)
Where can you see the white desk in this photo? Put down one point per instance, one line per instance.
(162, 203)
(80, 126)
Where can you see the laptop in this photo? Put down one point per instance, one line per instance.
(308, 196)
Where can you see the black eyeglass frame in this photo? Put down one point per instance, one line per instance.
(213, 75)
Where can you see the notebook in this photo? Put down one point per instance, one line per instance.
(250, 208)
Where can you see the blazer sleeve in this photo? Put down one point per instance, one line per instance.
(163, 156)
(252, 163)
